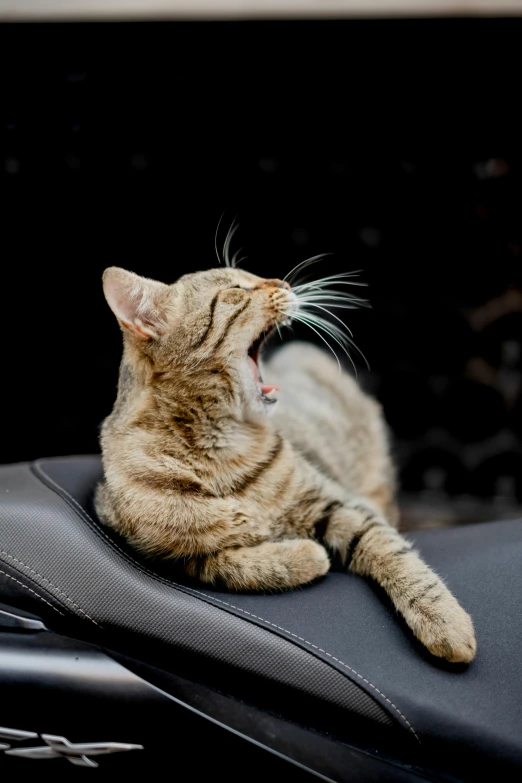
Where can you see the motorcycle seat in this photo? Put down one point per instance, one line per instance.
(336, 647)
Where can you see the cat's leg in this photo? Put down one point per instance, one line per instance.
(272, 565)
(370, 547)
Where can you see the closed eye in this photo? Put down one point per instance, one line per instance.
(242, 287)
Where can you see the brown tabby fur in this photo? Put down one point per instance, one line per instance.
(253, 495)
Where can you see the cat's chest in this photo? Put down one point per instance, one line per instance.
(260, 479)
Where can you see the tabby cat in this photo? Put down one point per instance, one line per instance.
(254, 485)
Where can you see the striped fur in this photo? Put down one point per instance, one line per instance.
(249, 495)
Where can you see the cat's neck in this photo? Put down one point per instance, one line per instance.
(200, 421)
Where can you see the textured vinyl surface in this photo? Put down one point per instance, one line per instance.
(339, 623)
(48, 540)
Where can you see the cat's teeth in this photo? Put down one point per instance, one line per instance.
(271, 394)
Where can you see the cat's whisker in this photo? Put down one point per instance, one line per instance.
(331, 303)
(349, 339)
(338, 336)
(306, 262)
(320, 296)
(312, 304)
(312, 295)
(327, 292)
(193, 367)
(321, 293)
(324, 285)
(226, 247)
(226, 364)
(332, 330)
(297, 318)
(233, 262)
(330, 297)
(320, 284)
(322, 289)
(216, 237)
(334, 333)
(339, 276)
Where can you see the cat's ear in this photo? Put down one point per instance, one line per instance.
(137, 303)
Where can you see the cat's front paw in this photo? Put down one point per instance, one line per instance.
(443, 627)
(307, 561)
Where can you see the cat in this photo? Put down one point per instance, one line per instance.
(254, 485)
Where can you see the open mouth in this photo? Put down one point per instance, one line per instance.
(268, 390)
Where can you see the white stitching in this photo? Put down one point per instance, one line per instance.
(11, 557)
(32, 591)
(192, 590)
(320, 649)
(237, 608)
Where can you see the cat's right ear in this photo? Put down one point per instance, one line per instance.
(137, 303)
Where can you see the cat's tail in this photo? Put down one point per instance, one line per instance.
(375, 549)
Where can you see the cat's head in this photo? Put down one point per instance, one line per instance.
(202, 333)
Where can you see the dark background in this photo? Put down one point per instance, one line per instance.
(393, 144)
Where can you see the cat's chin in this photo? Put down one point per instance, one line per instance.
(258, 405)
(269, 397)
(258, 414)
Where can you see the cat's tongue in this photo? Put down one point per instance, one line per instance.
(266, 388)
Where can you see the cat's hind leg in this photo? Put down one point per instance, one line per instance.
(370, 547)
(272, 565)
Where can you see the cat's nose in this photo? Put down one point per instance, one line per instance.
(276, 283)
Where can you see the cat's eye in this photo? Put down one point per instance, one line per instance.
(241, 287)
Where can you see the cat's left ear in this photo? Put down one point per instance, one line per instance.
(139, 304)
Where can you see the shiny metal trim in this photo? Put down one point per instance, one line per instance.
(76, 752)
(16, 734)
(18, 623)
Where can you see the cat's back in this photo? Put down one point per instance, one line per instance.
(328, 417)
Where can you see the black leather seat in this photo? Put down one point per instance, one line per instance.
(336, 643)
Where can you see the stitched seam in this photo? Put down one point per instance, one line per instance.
(19, 562)
(320, 649)
(196, 592)
(129, 558)
(31, 591)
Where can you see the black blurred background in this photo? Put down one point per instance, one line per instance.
(393, 144)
